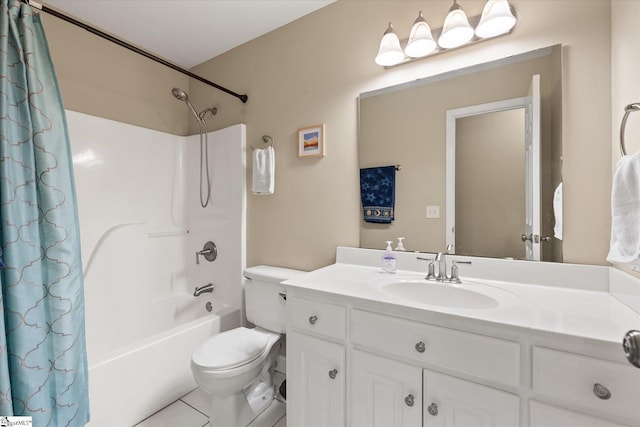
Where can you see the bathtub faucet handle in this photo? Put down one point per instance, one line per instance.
(209, 252)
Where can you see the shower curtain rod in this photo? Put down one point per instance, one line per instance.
(132, 48)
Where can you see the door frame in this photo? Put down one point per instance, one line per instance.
(450, 162)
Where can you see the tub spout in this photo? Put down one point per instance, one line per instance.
(203, 289)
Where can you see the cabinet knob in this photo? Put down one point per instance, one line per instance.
(631, 347)
(409, 400)
(420, 347)
(433, 409)
(333, 373)
(313, 319)
(601, 391)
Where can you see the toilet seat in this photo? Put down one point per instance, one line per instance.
(232, 349)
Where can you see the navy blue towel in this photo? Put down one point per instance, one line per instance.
(378, 193)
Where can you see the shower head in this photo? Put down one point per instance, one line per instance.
(181, 95)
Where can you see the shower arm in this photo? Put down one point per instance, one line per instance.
(203, 113)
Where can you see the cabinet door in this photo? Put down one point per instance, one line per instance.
(384, 393)
(315, 382)
(452, 402)
(550, 416)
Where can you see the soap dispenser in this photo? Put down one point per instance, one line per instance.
(389, 262)
(400, 246)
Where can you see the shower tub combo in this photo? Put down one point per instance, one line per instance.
(141, 223)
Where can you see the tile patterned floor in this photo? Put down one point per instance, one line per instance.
(192, 410)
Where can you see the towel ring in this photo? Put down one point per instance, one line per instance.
(266, 139)
(627, 110)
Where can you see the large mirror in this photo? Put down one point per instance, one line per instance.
(406, 125)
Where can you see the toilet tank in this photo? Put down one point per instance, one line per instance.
(264, 306)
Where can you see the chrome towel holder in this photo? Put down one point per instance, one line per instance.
(627, 110)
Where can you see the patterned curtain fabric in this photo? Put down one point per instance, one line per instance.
(43, 363)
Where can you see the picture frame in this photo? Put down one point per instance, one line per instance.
(311, 141)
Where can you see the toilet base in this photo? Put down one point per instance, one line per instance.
(235, 410)
(239, 409)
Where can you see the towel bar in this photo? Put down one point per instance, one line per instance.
(627, 110)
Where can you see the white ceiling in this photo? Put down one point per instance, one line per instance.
(187, 32)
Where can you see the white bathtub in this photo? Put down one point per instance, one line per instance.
(148, 376)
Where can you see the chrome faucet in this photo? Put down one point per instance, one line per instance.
(442, 267)
(441, 258)
(203, 289)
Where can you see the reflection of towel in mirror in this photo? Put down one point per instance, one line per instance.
(625, 212)
(264, 170)
(378, 193)
(557, 212)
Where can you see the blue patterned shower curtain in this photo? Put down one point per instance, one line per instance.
(43, 363)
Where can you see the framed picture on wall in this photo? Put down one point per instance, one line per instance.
(311, 141)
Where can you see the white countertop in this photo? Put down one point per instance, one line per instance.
(589, 314)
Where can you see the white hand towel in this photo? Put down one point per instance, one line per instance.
(557, 212)
(264, 171)
(625, 212)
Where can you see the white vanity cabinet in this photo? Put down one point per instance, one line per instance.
(404, 348)
(584, 382)
(384, 392)
(350, 365)
(453, 402)
(550, 416)
(316, 375)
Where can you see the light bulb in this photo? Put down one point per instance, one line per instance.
(496, 19)
(456, 30)
(421, 41)
(390, 52)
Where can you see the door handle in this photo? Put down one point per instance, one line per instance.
(534, 238)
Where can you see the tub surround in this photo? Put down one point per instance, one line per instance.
(547, 354)
(141, 224)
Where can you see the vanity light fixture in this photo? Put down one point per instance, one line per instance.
(456, 30)
(421, 41)
(390, 52)
(496, 19)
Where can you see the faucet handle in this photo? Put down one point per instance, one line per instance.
(455, 271)
(431, 274)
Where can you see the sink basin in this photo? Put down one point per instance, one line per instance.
(469, 295)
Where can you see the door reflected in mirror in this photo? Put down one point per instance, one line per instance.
(490, 223)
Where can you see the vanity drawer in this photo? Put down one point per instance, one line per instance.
(476, 355)
(573, 377)
(319, 318)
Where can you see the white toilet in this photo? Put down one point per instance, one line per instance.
(236, 366)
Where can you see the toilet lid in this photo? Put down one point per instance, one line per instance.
(230, 349)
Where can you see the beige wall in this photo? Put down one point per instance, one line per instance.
(311, 71)
(100, 78)
(625, 63)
